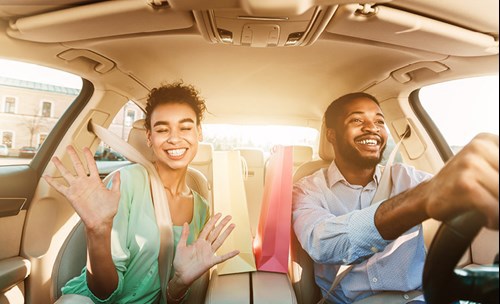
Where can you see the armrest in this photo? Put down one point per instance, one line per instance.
(281, 292)
(228, 288)
(13, 271)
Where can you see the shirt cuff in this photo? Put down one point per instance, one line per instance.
(362, 226)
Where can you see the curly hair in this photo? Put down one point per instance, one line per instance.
(176, 92)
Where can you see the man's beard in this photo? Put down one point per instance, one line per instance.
(352, 155)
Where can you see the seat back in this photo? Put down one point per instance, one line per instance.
(72, 256)
(301, 268)
(254, 183)
(301, 155)
(203, 161)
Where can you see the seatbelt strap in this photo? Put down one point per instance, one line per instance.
(383, 192)
(160, 200)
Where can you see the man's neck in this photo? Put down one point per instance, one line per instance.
(355, 175)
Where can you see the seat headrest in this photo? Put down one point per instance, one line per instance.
(301, 154)
(253, 156)
(325, 147)
(204, 154)
(137, 138)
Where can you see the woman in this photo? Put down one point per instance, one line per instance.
(121, 231)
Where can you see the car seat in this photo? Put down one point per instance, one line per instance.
(72, 256)
(301, 268)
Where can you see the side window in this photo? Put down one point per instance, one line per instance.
(33, 99)
(462, 108)
(121, 126)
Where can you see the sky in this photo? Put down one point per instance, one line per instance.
(444, 102)
(30, 72)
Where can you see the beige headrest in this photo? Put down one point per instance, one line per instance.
(253, 156)
(301, 154)
(137, 138)
(325, 147)
(204, 154)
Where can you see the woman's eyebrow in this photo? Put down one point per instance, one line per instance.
(166, 123)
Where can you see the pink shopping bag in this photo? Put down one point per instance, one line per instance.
(272, 240)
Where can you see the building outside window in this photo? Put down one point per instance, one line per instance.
(46, 110)
(10, 104)
(129, 117)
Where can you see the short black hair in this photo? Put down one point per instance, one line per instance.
(334, 110)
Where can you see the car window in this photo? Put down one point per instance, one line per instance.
(462, 108)
(32, 99)
(229, 137)
(106, 158)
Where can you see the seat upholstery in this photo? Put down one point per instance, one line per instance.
(254, 183)
(72, 256)
(301, 155)
(301, 268)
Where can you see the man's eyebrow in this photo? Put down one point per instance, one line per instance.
(165, 123)
(361, 113)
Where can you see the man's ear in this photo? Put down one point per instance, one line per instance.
(330, 135)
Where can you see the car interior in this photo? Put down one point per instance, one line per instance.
(258, 64)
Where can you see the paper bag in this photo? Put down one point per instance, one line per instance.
(272, 241)
(230, 199)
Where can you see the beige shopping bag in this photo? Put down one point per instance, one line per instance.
(230, 199)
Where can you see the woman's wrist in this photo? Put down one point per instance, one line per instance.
(176, 290)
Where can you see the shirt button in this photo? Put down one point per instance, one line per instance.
(374, 250)
(133, 294)
(374, 280)
(406, 296)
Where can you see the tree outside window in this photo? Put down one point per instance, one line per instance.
(7, 138)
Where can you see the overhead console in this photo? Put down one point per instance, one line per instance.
(237, 27)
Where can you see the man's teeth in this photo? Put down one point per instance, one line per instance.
(176, 152)
(370, 142)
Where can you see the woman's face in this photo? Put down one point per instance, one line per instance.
(174, 134)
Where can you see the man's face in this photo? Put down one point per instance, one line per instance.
(360, 136)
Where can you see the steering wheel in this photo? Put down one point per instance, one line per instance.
(442, 282)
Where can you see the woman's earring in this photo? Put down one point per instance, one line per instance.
(149, 143)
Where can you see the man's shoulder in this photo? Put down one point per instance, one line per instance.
(318, 176)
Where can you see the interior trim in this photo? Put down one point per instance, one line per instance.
(97, 20)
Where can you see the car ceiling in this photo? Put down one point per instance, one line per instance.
(280, 84)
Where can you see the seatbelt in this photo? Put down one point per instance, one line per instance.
(383, 192)
(160, 201)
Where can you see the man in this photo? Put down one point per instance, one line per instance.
(336, 223)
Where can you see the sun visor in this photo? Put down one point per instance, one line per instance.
(389, 25)
(97, 20)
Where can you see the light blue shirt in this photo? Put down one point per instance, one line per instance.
(334, 222)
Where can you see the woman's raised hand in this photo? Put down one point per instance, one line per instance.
(191, 261)
(95, 204)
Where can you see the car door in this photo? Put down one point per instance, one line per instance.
(33, 113)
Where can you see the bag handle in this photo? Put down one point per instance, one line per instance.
(382, 193)
(160, 201)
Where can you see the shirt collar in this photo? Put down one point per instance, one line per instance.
(334, 175)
